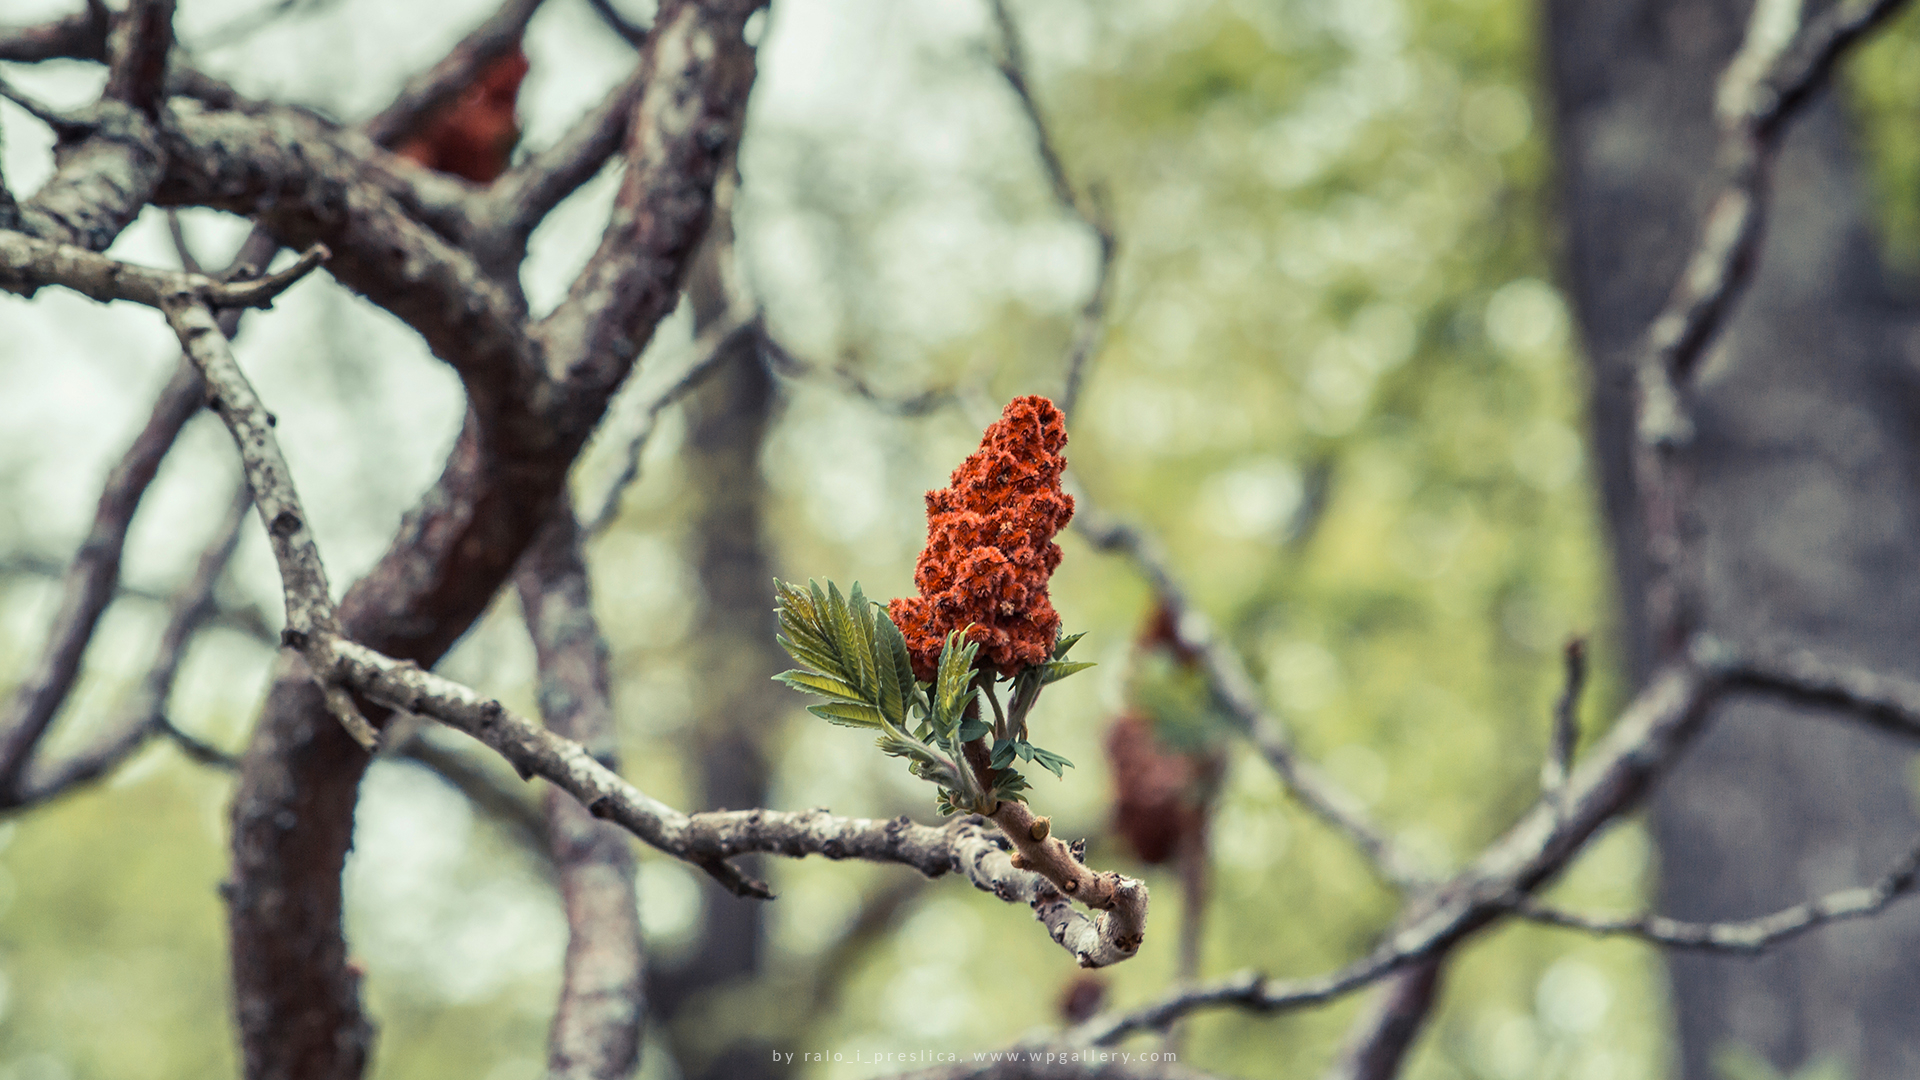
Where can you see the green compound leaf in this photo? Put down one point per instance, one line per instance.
(855, 655)
(1050, 761)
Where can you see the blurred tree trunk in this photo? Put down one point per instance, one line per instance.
(1807, 501)
(735, 660)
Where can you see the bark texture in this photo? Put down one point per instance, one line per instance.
(737, 660)
(1806, 463)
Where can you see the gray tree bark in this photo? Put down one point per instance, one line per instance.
(737, 659)
(1807, 503)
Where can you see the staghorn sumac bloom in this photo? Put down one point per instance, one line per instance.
(990, 547)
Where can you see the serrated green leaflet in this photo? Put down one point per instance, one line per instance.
(848, 714)
(824, 685)
(1050, 761)
(1060, 648)
(1055, 670)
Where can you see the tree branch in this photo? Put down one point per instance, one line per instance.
(595, 1033)
(1236, 691)
(1655, 726)
(1091, 209)
(1747, 936)
(82, 34)
(508, 210)
(88, 585)
(298, 998)
(146, 715)
(137, 56)
(27, 264)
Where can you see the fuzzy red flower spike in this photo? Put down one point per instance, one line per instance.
(990, 547)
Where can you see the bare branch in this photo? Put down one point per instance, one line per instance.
(1747, 936)
(1385, 1031)
(1888, 702)
(88, 585)
(436, 86)
(307, 183)
(1092, 209)
(630, 32)
(511, 207)
(146, 715)
(783, 362)
(707, 840)
(697, 70)
(310, 612)
(595, 1033)
(1237, 692)
(81, 35)
(27, 264)
(1655, 726)
(137, 56)
(707, 350)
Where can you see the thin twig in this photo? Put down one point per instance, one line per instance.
(629, 31)
(1655, 726)
(311, 621)
(783, 362)
(707, 350)
(1237, 692)
(146, 715)
(89, 582)
(1746, 936)
(1092, 209)
(27, 263)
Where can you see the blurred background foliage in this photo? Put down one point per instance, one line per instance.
(1338, 383)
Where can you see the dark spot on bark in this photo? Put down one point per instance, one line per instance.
(834, 849)
(272, 420)
(601, 807)
(284, 524)
(293, 639)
